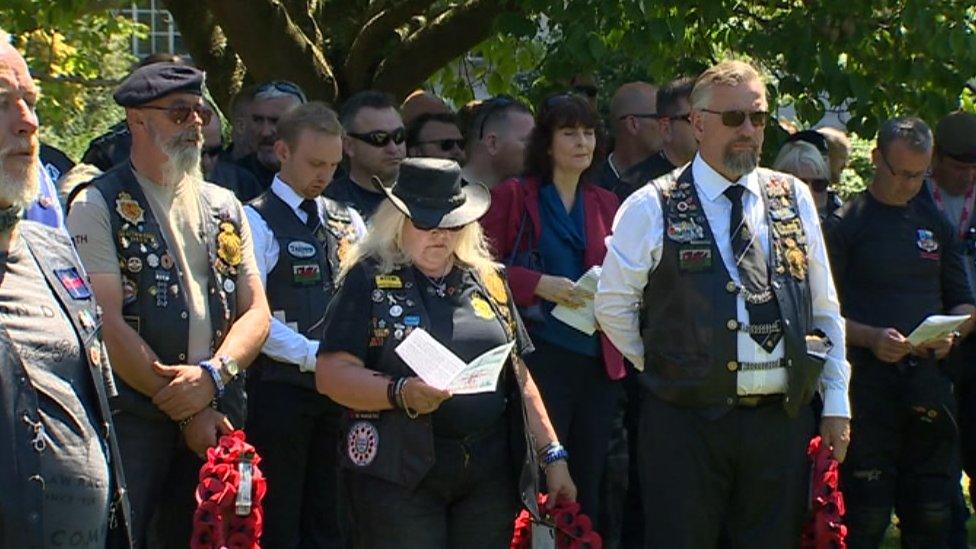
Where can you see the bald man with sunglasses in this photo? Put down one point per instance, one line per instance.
(173, 269)
(714, 278)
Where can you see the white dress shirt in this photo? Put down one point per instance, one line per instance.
(634, 251)
(284, 343)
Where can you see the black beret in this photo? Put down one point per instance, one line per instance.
(955, 136)
(158, 80)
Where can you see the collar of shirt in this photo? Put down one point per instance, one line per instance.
(293, 199)
(712, 184)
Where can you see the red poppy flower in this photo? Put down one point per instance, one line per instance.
(204, 537)
(240, 541)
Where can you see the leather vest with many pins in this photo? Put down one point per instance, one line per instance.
(688, 321)
(302, 282)
(153, 285)
(21, 483)
(389, 444)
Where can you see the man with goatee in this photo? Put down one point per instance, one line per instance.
(60, 476)
(172, 266)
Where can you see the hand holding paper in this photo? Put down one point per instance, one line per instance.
(442, 369)
(582, 318)
(936, 327)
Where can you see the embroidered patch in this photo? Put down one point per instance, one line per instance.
(388, 282)
(695, 258)
(306, 274)
(926, 241)
(685, 231)
(73, 283)
(302, 250)
(129, 209)
(362, 443)
(229, 244)
(496, 288)
(481, 307)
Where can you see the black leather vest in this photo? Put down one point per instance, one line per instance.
(302, 282)
(154, 293)
(689, 324)
(389, 444)
(21, 484)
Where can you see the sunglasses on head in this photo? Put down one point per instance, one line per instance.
(380, 138)
(445, 144)
(282, 86)
(180, 113)
(490, 108)
(734, 119)
(425, 228)
(812, 137)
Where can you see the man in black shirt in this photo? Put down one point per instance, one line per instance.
(374, 145)
(271, 100)
(637, 139)
(896, 261)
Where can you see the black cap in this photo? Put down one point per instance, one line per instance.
(955, 136)
(429, 192)
(158, 80)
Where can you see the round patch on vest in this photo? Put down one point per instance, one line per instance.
(229, 285)
(299, 249)
(362, 443)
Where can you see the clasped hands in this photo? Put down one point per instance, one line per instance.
(188, 396)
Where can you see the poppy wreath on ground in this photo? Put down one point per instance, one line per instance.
(824, 528)
(574, 530)
(226, 517)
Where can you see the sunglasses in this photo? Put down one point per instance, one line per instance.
(491, 108)
(734, 119)
(425, 228)
(380, 138)
(180, 113)
(445, 144)
(282, 86)
(812, 137)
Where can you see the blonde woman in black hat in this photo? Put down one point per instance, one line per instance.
(424, 468)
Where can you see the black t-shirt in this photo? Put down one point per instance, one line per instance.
(894, 266)
(635, 177)
(454, 322)
(344, 190)
(235, 179)
(262, 173)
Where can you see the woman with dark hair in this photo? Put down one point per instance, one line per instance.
(549, 227)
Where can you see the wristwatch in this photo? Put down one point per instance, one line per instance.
(229, 369)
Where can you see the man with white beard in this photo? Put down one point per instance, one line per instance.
(60, 474)
(172, 266)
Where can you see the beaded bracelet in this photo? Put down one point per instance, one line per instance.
(552, 453)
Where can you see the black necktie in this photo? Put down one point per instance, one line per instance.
(311, 209)
(754, 274)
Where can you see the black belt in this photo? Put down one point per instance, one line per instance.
(758, 401)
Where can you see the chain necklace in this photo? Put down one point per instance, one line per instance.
(438, 285)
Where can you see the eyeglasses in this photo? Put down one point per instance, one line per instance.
(734, 119)
(282, 86)
(901, 174)
(426, 229)
(212, 151)
(641, 115)
(445, 144)
(492, 107)
(380, 138)
(179, 113)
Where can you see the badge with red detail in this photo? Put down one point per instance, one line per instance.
(362, 443)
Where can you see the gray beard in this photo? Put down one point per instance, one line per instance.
(741, 162)
(20, 190)
(182, 160)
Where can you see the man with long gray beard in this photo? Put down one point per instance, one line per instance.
(60, 474)
(172, 265)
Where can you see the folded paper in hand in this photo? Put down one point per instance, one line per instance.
(936, 327)
(582, 318)
(442, 369)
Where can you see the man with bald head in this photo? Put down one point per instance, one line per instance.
(60, 472)
(637, 139)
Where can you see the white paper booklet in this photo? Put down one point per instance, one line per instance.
(936, 327)
(442, 369)
(582, 318)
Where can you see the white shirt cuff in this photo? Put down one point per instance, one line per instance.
(836, 403)
(310, 357)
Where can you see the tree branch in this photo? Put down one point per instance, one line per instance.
(451, 34)
(364, 54)
(301, 13)
(207, 44)
(273, 47)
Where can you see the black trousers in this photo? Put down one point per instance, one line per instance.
(743, 476)
(581, 401)
(469, 499)
(296, 432)
(902, 453)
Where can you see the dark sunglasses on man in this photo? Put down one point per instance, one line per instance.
(180, 112)
(734, 119)
(445, 144)
(380, 138)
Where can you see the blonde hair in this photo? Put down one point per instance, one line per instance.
(796, 154)
(383, 244)
(727, 73)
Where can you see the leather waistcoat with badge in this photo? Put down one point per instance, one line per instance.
(388, 444)
(301, 284)
(689, 323)
(154, 293)
(21, 482)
